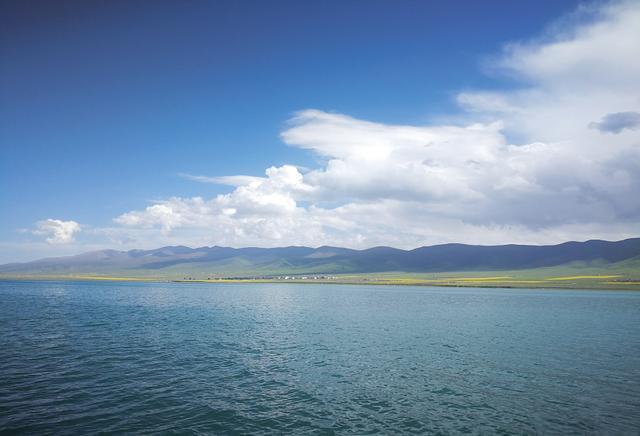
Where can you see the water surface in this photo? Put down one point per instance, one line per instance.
(83, 357)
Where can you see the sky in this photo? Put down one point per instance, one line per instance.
(349, 123)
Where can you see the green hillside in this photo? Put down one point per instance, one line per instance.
(572, 264)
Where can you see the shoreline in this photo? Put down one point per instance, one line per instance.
(562, 283)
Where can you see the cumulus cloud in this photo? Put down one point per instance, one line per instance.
(527, 165)
(263, 203)
(57, 231)
(617, 122)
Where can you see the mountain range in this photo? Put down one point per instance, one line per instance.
(174, 261)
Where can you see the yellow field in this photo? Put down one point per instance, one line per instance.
(480, 279)
(586, 281)
(583, 277)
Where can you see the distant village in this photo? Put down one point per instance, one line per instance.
(275, 278)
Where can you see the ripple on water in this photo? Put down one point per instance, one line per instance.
(151, 358)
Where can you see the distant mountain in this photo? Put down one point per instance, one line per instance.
(179, 260)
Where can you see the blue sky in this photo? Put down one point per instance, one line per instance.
(108, 105)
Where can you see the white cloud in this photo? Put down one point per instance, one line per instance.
(222, 180)
(597, 45)
(407, 186)
(57, 231)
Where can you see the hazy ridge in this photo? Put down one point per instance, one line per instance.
(175, 260)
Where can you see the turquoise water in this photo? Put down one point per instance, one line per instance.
(83, 357)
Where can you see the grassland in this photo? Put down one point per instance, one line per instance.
(622, 275)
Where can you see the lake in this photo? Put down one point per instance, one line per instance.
(83, 357)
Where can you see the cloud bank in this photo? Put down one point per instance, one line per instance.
(526, 165)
